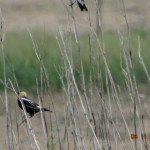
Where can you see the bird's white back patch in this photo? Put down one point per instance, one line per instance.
(23, 99)
(39, 107)
(81, 2)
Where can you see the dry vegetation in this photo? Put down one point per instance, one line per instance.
(93, 117)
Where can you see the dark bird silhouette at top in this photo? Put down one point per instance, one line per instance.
(30, 107)
(82, 5)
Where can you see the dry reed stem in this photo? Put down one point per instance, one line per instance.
(77, 90)
(27, 119)
(2, 37)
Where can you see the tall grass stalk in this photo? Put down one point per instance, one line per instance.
(2, 37)
(77, 90)
(31, 130)
(43, 76)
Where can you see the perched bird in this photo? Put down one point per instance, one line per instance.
(30, 106)
(82, 5)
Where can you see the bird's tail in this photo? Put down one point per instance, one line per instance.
(45, 109)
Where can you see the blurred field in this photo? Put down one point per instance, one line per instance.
(51, 14)
(22, 61)
(110, 105)
(44, 18)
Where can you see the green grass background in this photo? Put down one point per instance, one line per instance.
(21, 59)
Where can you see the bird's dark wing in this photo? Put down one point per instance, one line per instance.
(82, 5)
(29, 103)
(85, 8)
(30, 108)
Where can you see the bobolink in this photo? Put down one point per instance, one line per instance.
(30, 106)
(82, 5)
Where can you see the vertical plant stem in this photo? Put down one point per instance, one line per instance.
(2, 36)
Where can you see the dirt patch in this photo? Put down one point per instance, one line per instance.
(22, 137)
(52, 14)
